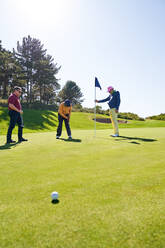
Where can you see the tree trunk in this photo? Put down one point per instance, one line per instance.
(30, 93)
(5, 83)
(44, 94)
(40, 94)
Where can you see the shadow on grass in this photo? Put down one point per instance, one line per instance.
(71, 140)
(4, 114)
(55, 201)
(9, 146)
(134, 138)
(34, 119)
(137, 138)
(135, 143)
(38, 119)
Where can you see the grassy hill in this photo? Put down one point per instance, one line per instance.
(45, 120)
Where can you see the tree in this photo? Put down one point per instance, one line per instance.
(39, 70)
(99, 110)
(46, 82)
(9, 71)
(28, 54)
(72, 92)
(31, 68)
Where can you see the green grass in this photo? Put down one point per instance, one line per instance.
(112, 190)
(44, 121)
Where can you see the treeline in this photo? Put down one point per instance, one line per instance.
(122, 115)
(99, 110)
(130, 116)
(30, 67)
(157, 117)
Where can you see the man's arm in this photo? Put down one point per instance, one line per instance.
(11, 106)
(104, 100)
(118, 102)
(69, 113)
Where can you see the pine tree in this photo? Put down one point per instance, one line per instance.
(27, 54)
(46, 82)
(9, 71)
(72, 92)
(39, 69)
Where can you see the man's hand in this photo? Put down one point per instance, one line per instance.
(67, 117)
(96, 100)
(116, 111)
(11, 106)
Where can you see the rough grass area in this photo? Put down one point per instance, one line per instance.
(112, 190)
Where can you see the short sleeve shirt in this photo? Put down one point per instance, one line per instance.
(13, 99)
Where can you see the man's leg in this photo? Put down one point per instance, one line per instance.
(67, 128)
(113, 116)
(59, 129)
(20, 128)
(13, 120)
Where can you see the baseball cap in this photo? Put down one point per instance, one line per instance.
(110, 88)
(67, 103)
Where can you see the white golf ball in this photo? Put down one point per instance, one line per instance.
(54, 195)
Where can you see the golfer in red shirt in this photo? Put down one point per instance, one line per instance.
(15, 113)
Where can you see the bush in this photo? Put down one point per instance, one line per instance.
(35, 105)
(130, 116)
(157, 117)
(3, 102)
(40, 106)
(77, 108)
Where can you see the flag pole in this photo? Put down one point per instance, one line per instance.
(95, 115)
(97, 84)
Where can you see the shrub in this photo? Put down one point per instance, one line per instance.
(157, 117)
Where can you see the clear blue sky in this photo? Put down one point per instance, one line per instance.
(122, 42)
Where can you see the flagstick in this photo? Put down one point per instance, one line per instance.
(95, 115)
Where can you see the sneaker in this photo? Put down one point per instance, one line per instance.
(115, 135)
(21, 140)
(11, 141)
(70, 137)
(57, 137)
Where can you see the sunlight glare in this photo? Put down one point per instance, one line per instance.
(41, 11)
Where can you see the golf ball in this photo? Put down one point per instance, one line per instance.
(54, 195)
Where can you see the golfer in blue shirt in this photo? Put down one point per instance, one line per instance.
(114, 102)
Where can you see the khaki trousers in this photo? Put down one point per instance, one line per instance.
(113, 116)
